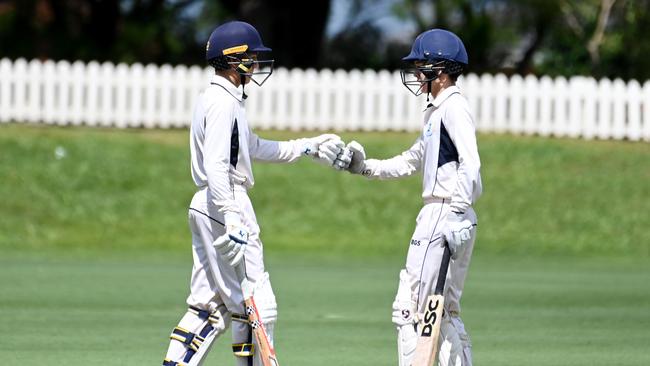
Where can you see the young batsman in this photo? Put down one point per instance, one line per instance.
(224, 228)
(446, 153)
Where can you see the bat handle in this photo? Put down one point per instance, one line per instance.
(442, 275)
(246, 287)
(240, 271)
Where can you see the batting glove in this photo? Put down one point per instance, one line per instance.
(232, 245)
(329, 151)
(358, 159)
(343, 159)
(323, 148)
(457, 231)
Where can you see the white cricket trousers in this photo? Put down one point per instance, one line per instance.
(213, 280)
(423, 264)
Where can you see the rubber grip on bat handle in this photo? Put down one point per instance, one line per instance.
(442, 275)
(240, 271)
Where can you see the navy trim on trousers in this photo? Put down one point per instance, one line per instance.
(208, 216)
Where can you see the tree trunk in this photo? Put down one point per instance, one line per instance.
(593, 47)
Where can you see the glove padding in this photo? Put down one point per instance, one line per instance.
(357, 163)
(343, 159)
(324, 149)
(232, 244)
(457, 232)
(330, 150)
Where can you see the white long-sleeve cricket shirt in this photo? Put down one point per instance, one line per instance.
(221, 141)
(446, 152)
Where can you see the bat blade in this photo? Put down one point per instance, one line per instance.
(267, 352)
(429, 332)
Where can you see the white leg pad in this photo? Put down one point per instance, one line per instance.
(193, 337)
(455, 345)
(267, 308)
(266, 304)
(404, 318)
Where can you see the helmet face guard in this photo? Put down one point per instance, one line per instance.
(251, 67)
(421, 75)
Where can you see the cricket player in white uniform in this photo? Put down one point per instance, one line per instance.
(222, 221)
(446, 153)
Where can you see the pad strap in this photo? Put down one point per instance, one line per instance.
(168, 362)
(243, 349)
(239, 318)
(187, 338)
(205, 315)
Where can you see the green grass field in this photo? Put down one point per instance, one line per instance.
(95, 261)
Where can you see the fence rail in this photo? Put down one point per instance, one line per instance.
(150, 96)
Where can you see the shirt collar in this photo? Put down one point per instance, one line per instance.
(228, 86)
(437, 102)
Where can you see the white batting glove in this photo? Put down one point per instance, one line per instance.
(358, 159)
(324, 148)
(330, 150)
(343, 159)
(232, 245)
(457, 231)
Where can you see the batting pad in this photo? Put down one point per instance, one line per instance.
(192, 338)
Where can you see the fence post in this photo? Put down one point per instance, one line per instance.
(559, 96)
(150, 98)
(49, 91)
(324, 115)
(604, 118)
(61, 113)
(515, 116)
(122, 86)
(486, 121)
(575, 93)
(165, 96)
(135, 74)
(501, 94)
(106, 94)
(618, 130)
(341, 94)
(531, 88)
(588, 125)
(382, 115)
(180, 89)
(6, 76)
(77, 93)
(311, 88)
(634, 107)
(92, 91)
(20, 77)
(397, 102)
(296, 92)
(545, 99)
(354, 100)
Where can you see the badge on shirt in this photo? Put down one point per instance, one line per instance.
(428, 130)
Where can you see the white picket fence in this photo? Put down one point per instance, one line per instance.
(150, 96)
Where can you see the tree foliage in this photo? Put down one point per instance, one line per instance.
(603, 38)
(157, 31)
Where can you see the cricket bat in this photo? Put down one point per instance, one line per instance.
(266, 350)
(429, 326)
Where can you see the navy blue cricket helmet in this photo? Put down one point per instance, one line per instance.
(233, 38)
(437, 45)
(433, 52)
(238, 44)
